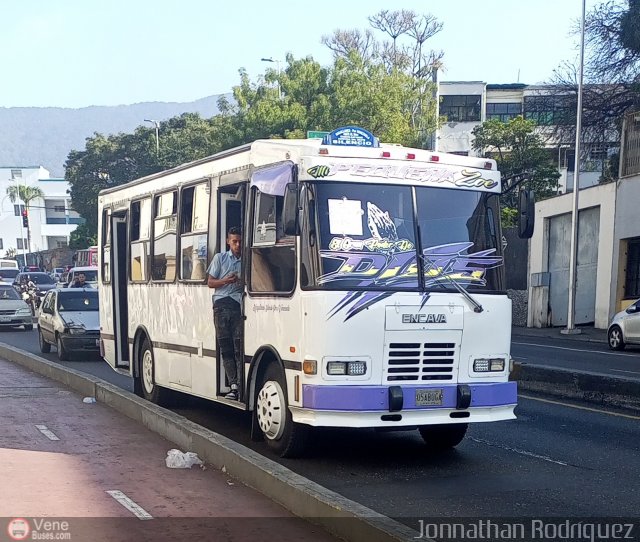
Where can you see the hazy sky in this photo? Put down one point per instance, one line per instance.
(75, 53)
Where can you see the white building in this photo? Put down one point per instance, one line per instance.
(51, 220)
(467, 104)
(608, 254)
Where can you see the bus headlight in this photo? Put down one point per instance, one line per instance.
(336, 368)
(351, 368)
(356, 368)
(488, 365)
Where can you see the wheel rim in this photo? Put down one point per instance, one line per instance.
(271, 410)
(614, 338)
(147, 371)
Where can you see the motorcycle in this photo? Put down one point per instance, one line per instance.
(30, 294)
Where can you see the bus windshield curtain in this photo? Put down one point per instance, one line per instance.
(272, 180)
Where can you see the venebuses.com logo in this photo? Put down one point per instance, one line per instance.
(18, 529)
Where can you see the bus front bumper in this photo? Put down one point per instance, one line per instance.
(398, 406)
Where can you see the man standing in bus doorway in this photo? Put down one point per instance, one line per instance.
(224, 275)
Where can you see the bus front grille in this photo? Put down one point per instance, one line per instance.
(420, 361)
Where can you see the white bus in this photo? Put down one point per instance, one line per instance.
(374, 290)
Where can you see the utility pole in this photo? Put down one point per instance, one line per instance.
(157, 125)
(571, 329)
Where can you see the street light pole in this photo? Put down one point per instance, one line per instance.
(571, 329)
(277, 62)
(157, 125)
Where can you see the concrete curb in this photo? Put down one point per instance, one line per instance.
(338, 515)
(582, 385)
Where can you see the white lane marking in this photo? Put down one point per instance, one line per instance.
(621, 371)
(518, 451)
(130, 505)
(578, 350)
(578, 407)
(47, 432)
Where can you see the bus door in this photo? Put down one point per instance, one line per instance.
(231, 214)
(119, 265)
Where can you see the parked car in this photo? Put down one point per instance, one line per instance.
(90, 275)
(14, 311)
(69, 319)
(625, 327)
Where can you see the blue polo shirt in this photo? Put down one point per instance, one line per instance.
(222, 265)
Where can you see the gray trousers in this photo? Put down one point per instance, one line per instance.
(227, 319)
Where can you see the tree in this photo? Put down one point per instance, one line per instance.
(522, 160)
(82, 237)
(109, 161)
(392, 96)
(611, 75)
(26, 194)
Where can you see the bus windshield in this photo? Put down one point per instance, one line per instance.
(370, 237)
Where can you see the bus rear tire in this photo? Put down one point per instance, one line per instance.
(443, 437)
(150, 390)
(282, 435)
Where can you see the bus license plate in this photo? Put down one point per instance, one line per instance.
(431, 397)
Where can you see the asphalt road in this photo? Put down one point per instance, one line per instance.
(562, 460)
(582, 356)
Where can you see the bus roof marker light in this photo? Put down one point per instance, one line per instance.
(386, 154)
(411, 156)
(488, 165)
(435, 158)
(323, 150)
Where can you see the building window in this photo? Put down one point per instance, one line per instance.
(21, 243)
(16, 174)
(58, 208)
(1, 245)
(464, 108)
(18, 210)
(503, 111)
(60, 244)
(632, 278)
(550, 110)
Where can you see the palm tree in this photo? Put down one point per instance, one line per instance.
(27, 194)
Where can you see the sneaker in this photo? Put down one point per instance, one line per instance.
(233, 394)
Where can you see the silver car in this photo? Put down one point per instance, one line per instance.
(625, 327)
(69, 319)
(14, 311)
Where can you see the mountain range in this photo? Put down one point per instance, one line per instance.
(44, 136)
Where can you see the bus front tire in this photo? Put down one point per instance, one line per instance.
(281, 433)
(443, 437)
(150, 390)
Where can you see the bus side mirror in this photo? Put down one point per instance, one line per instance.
(290, 223)
(526, 213)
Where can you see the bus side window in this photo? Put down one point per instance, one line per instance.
(163, 265)
(272, 254)
(194, 221)
(139, 240)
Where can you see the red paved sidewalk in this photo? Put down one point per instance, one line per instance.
(100, 450)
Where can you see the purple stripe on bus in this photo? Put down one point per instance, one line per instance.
(355, 398)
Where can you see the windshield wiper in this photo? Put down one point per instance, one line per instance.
(477, 307)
